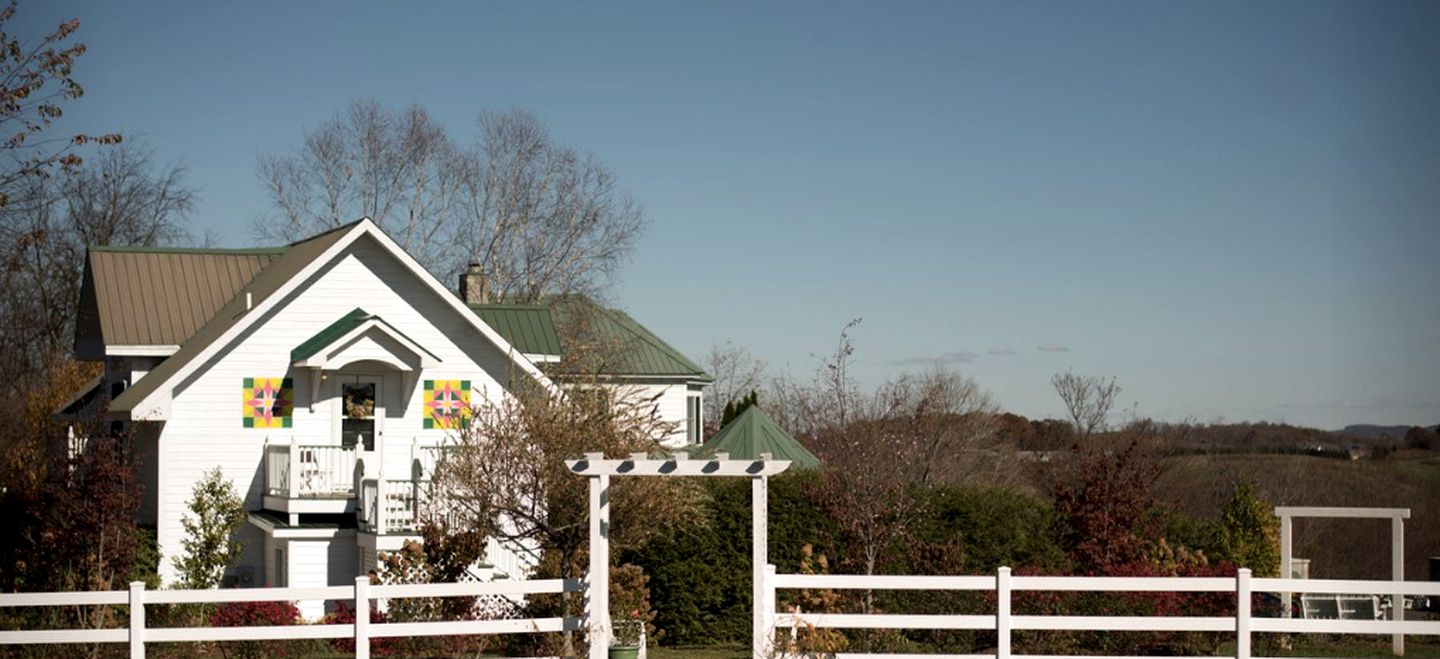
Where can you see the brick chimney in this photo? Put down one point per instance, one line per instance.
(472, 285)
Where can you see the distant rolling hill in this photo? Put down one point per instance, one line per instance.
(1377, 432)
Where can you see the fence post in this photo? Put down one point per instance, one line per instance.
(137, 620)
(1242, 613)
(362, 617)
(1002, 613)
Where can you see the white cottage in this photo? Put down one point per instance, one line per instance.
(321, 377)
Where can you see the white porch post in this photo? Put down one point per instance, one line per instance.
(759, 557)
(1397, 573)
(293, 479)
(381, 522)
(598, 605)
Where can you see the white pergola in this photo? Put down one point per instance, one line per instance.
(600, 470)
(1397, 517)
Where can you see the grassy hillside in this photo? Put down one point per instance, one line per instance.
(1352, 549)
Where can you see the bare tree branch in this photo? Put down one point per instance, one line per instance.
(539, 218)
(120, 198)
(1088, 400)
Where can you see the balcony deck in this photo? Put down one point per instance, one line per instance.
(329, 479)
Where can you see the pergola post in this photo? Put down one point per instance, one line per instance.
(597, 591)
(1397, 573)
(1287, 562)
(759, 560)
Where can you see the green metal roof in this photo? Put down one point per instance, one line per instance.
(334, 331)
(528, 327)
(753, 433)
(639, 352)
(532, 329)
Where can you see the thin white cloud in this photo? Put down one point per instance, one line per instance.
(1379, 403)
(945, 359)
(1052, 348)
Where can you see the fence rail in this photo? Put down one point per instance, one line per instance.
(137, 634)
(1242, 586)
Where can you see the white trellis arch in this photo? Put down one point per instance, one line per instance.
(599, 470)
(1397, 517)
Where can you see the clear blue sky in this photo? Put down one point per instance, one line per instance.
(1234, 208)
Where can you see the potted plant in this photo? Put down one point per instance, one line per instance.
(629, 635)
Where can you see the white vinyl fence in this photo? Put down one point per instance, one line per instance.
(137, 634)
(1242, 624)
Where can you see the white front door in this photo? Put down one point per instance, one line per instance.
(362, 412)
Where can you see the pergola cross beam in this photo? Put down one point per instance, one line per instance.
(641, 464)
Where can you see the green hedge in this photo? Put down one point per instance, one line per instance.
(700, 573)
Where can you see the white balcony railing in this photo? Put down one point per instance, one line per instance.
(391, 506)
(424, 459)
(309, 470)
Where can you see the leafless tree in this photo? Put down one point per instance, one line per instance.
(542, 218)
(1088, 400)
(397, 167)
(954, 423)
(876, 446)
(120, 198)
(736, 373)
(538, 217)
(35, 79)
(506, 477)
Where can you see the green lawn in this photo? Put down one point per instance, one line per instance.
(701, 652)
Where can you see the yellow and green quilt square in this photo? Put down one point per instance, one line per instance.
(268, 403)
(447, 404)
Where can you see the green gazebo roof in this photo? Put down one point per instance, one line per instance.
(753, 433)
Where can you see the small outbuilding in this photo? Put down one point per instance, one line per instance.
(753, 433)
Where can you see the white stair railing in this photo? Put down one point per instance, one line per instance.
(277, 468)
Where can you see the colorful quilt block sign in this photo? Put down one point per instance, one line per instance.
(447, 404)
(268, 403)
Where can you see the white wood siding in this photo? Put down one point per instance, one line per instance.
(205, 428)
(670, 403)
(310, 566)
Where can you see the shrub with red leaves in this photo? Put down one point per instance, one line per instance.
(345, 615)
(257, 614)
(1106, 517)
